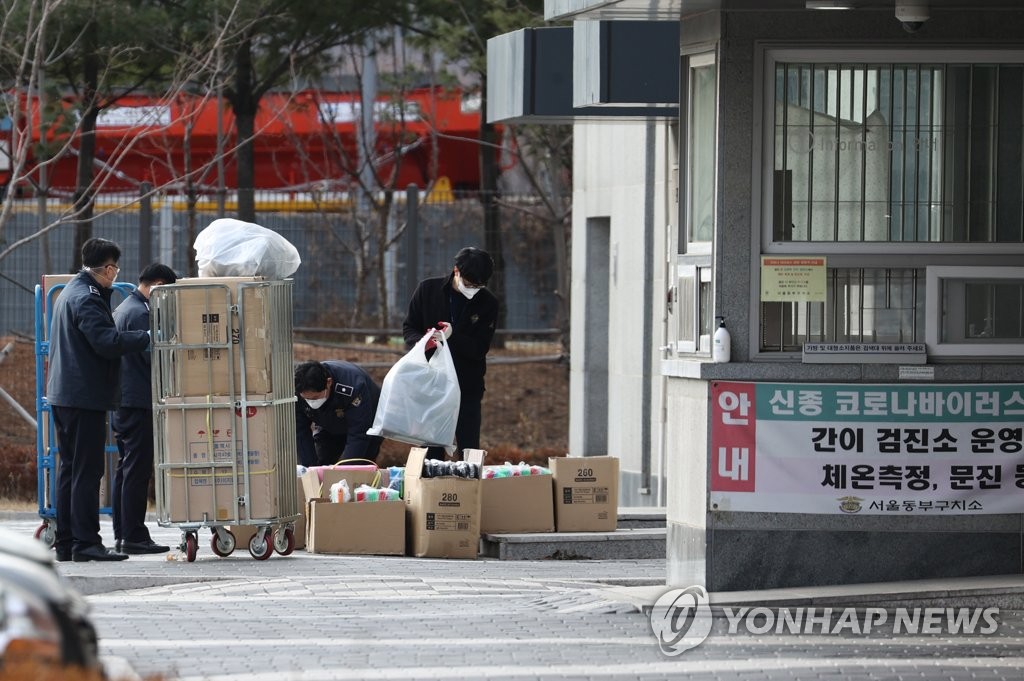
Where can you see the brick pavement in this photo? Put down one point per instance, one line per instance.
(307, 618)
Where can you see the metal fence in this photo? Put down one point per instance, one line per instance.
(331, 237)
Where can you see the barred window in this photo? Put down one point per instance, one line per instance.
(900, 152)
(862, 305)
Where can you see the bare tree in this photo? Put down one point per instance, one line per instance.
(368, 167)
(42, 135)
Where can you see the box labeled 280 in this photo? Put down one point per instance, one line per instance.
(586, 493)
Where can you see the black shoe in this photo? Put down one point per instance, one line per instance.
(63, 555)
(96, 552)
(148, 546)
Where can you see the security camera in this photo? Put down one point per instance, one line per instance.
(912, 15)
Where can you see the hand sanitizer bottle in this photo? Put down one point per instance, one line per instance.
(721, 343)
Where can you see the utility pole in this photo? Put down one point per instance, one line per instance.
(43, 190)
(218, 77)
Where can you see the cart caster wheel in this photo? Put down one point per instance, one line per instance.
(47, 534)
(284, 541)
(259, 546)
(191, 547)
(222, 544)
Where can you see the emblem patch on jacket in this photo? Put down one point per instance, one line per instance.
(93, 290)
(343, 389)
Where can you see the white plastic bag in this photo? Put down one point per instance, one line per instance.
(419, 399)
(233, 248)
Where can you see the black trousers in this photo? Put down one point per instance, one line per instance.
(133, 430)
(467, 429)
(81, 440)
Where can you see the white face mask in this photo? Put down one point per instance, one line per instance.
(465, 290)
(315, 404)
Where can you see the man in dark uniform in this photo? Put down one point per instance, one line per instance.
(133, 423)
(466, 313)
(84, 383)
(336, 405)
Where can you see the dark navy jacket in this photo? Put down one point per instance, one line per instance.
(350, 408)
(86, 348)
(133, 315)
(473, 322)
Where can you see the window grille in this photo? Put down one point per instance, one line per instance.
(898, 153)
(862, 306)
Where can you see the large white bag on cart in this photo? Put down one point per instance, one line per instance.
(419, 399)
(234, 248)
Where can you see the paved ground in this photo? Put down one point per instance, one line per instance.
(307, 618)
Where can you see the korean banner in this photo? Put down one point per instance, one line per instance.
(868, 449)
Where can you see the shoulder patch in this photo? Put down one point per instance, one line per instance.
(93, 290)
(343, 389)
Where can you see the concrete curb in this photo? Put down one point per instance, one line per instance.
(1003, 591)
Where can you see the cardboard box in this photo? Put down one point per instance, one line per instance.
(243, 533)
(443, 514)
(513, 505)
(209, 435)
(193, 497)
(316, 482)
(359, 528)
(203, 317)
(586, 491)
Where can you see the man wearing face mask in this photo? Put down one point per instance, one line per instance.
(83, 384)
(336, 404)
(464, 313)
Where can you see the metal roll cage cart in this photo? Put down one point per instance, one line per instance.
(213, 476)
(47, 451)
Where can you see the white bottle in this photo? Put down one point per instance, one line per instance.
(721, 343)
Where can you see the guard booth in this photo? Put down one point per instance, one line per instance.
(843, 187)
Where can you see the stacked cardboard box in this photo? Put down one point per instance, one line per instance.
(443, 514)
(203, 316)
(198, 326)
(586, 493)
(211, 434)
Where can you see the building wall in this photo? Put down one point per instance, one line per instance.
(619, 205)
(686, 507)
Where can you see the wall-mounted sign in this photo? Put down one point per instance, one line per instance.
(884, 449)
(917, 373)
(865, 353)
(792, 279)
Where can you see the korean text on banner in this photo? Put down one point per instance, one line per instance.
(868, 449)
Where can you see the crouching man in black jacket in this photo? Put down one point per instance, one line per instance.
(336, 405)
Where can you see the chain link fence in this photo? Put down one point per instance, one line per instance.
(359, 269)
(359, 265)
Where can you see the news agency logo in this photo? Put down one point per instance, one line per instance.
(681, 619)
(864, 621)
